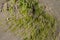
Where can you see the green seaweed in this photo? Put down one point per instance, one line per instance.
(34, 22)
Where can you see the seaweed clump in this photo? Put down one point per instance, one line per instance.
(30, 20)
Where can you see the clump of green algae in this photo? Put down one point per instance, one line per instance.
(33, 22)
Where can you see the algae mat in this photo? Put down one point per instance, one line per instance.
(26, 20)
